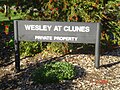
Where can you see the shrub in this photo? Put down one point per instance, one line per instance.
(53, 72)
(29, 48)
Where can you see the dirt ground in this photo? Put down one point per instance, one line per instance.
(88, 78)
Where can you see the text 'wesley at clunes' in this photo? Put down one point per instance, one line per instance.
(57, 28)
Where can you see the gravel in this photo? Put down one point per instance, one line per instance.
(107, 77)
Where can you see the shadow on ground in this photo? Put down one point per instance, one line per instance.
(23, 79)
(110, 65)
(91, 50)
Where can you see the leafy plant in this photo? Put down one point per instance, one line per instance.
(54, 72)
(57, 47)
(29, 48)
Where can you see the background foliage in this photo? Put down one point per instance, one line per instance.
(105, 11)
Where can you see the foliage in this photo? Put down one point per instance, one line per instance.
(104, 11)
(55, 48)
(111, 26)
(58, 47)
(53, 72)
(29, 48)
(6, 40)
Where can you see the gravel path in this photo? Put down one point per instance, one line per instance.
(88, 78)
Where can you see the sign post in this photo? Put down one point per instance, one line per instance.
(16, 43)
(97, 48)
(47, 31)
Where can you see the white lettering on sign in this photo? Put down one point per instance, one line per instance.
(76, 28)
(43, 37)
(60, 38)
(38, 27)
(56, 38)
(57, 28)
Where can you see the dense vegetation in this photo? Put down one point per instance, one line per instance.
(105, 11)
(54, 72)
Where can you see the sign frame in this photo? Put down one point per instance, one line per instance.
(18, 25)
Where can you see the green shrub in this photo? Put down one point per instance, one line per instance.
(29, 48)
(53, 72)
(57, 47)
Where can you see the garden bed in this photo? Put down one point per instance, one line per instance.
(105, 78)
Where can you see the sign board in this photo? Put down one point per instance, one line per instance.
(47, 31)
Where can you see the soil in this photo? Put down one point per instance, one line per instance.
(107, 77)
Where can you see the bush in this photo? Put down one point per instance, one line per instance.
(53, 72)
(29, 48)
